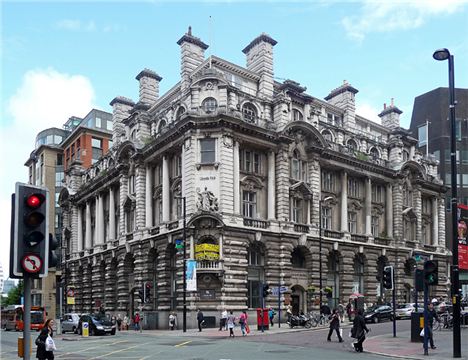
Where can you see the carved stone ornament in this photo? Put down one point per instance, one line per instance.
(227, 141)
(207, 201)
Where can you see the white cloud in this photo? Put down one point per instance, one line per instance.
(45, 98)
(385, 16)
(368, 111)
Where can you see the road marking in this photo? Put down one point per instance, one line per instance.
(117, 351)
(90, 348)
(184, 343)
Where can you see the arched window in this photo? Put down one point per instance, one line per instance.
(255, 258)
(405, 155)
(297, 115)
(180, 112)
(352, 145)
(209, 105)
(298, 259)
(161, 126)
(374, 153)
(249, 112)
(358, 284)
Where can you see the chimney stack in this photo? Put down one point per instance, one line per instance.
(344, 98)
(192, 51)
(390, 116)
(121, 107)
(149, 86)
(259, 55)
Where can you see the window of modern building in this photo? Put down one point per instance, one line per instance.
(249, 204)
(110, 142)
(59, 176)
(422, 135)
(58, 139)
(464, 157)
(437, 155)
(109, 125)
(297, 115)
(207, 151)
(458, 131)
(59, 161)
(353, 187)
(352, 222)
(209, 105)
(98, 122)
(328, 181)
(249, 112)
(97, 149)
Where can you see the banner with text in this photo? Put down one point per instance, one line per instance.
(191, 275)
(462, 237)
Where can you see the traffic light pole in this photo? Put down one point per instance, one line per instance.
(394, 307)
(27, 318)
(426, 318)
(184, 317)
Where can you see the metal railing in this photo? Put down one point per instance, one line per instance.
(262, 224)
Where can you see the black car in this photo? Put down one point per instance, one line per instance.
(98, 325)
(378, 313)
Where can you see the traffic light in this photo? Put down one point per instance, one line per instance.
(53, 257)
(431, 272)
(148, 292)
(387, 278)
(30, 245)
(141, 294)
(266, 290)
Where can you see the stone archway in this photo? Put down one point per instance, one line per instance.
(298, 299)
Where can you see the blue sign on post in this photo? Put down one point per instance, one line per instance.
(179, 244)
(282, 290)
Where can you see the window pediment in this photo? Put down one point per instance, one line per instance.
(251, 183)
(301, 188)
(354, 205)
(129, 202)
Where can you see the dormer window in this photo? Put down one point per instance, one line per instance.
(209, 105)
(249, 113)
(297, 115)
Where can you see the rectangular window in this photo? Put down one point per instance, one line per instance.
(178, 166)
(59, 179)
(295, 169)
(131, 185)
(207, 151)
(328, 181)
(297, 210)
(59, 159)
(254, 300)
(97, 149)
(96, 143)
(458, 131)
(109, 125)
(464, 157)
(326, 218)
(353, 188)
(98, 122)
(422, 135)
(375, 222)
(250, 161)
(377, 193)
(352, 222)
(437, 155)
(249, 204)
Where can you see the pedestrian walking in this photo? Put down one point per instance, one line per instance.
(431, 315)
(289, 312)
(341, 310)
(136, 322)
(349, 310)
(359, 330)
(271, 315)
(200, 319)
(172, 320)
(243, 322)
(119, 322)
(49, 324)
(45, 345)
(125, 322)
(335, 325)
(223, 320)
(231, 322)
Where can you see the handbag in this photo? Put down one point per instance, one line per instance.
(247, 328)
(50, 344)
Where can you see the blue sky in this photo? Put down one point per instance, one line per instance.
(61, 58)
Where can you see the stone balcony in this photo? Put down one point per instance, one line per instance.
(207, 266)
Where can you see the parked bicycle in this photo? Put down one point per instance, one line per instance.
(318, 319)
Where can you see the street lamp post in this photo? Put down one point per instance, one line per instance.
(320, 250)
(441, 55)
(184, 318)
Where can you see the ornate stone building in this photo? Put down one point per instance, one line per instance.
(259, 164)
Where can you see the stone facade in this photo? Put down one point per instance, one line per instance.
(259, 164)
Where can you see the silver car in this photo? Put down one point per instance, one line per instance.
(404, 311)
(70, 323)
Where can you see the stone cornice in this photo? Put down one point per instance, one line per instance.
(340, 90)
(390, 110)
(148, 73)
(192, 40)
(122, 100)
(259, 39)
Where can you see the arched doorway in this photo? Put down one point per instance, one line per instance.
(298, 299)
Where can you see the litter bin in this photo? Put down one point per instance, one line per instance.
(262, 318)
(417, 324)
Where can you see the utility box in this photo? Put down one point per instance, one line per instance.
(262, 318)
(417, 324)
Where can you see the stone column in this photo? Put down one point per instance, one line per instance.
(271, 186)
(344, 201)
(123, 196)
(308, 215)
(221, 247)
(88, 226)
(368, 206)
(236, 180)
(165, 190)
(96, 221)
(111, 214)
(101, 219)
(389, 210)
(80, 229)
(192, 247)
(417, 206)
(149, 198)
(441, 212)
(435, 222)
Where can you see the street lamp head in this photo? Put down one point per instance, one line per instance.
(441, 54)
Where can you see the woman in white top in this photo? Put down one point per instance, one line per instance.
(231, 322)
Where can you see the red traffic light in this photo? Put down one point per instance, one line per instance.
(35, 200)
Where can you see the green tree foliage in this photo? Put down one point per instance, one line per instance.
(14, 295)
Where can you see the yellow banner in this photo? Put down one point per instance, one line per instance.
(207, 252)
(207, 247)
(70, 300)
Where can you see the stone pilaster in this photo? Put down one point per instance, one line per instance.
(226, 171)
(344, 201)
(88, 236)
(417, 205)
(441, 211)
(123, 293)
(389, 210)
(435, 222)
(87, 305)
(271, 186)
(123, 196)
(397, 211)
(149, 197)
(140, 184)
(112, 234)
(165, 190)
(236, 179)
(282, 184)
(79, 233)
(368, 201)
(110, 287)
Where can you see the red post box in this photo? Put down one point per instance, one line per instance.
(262, 318)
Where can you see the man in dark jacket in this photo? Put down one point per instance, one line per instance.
(431, 315)
(335, 325)
(200, 319)
(359, 331)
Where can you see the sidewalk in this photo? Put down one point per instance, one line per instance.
(402, 347)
